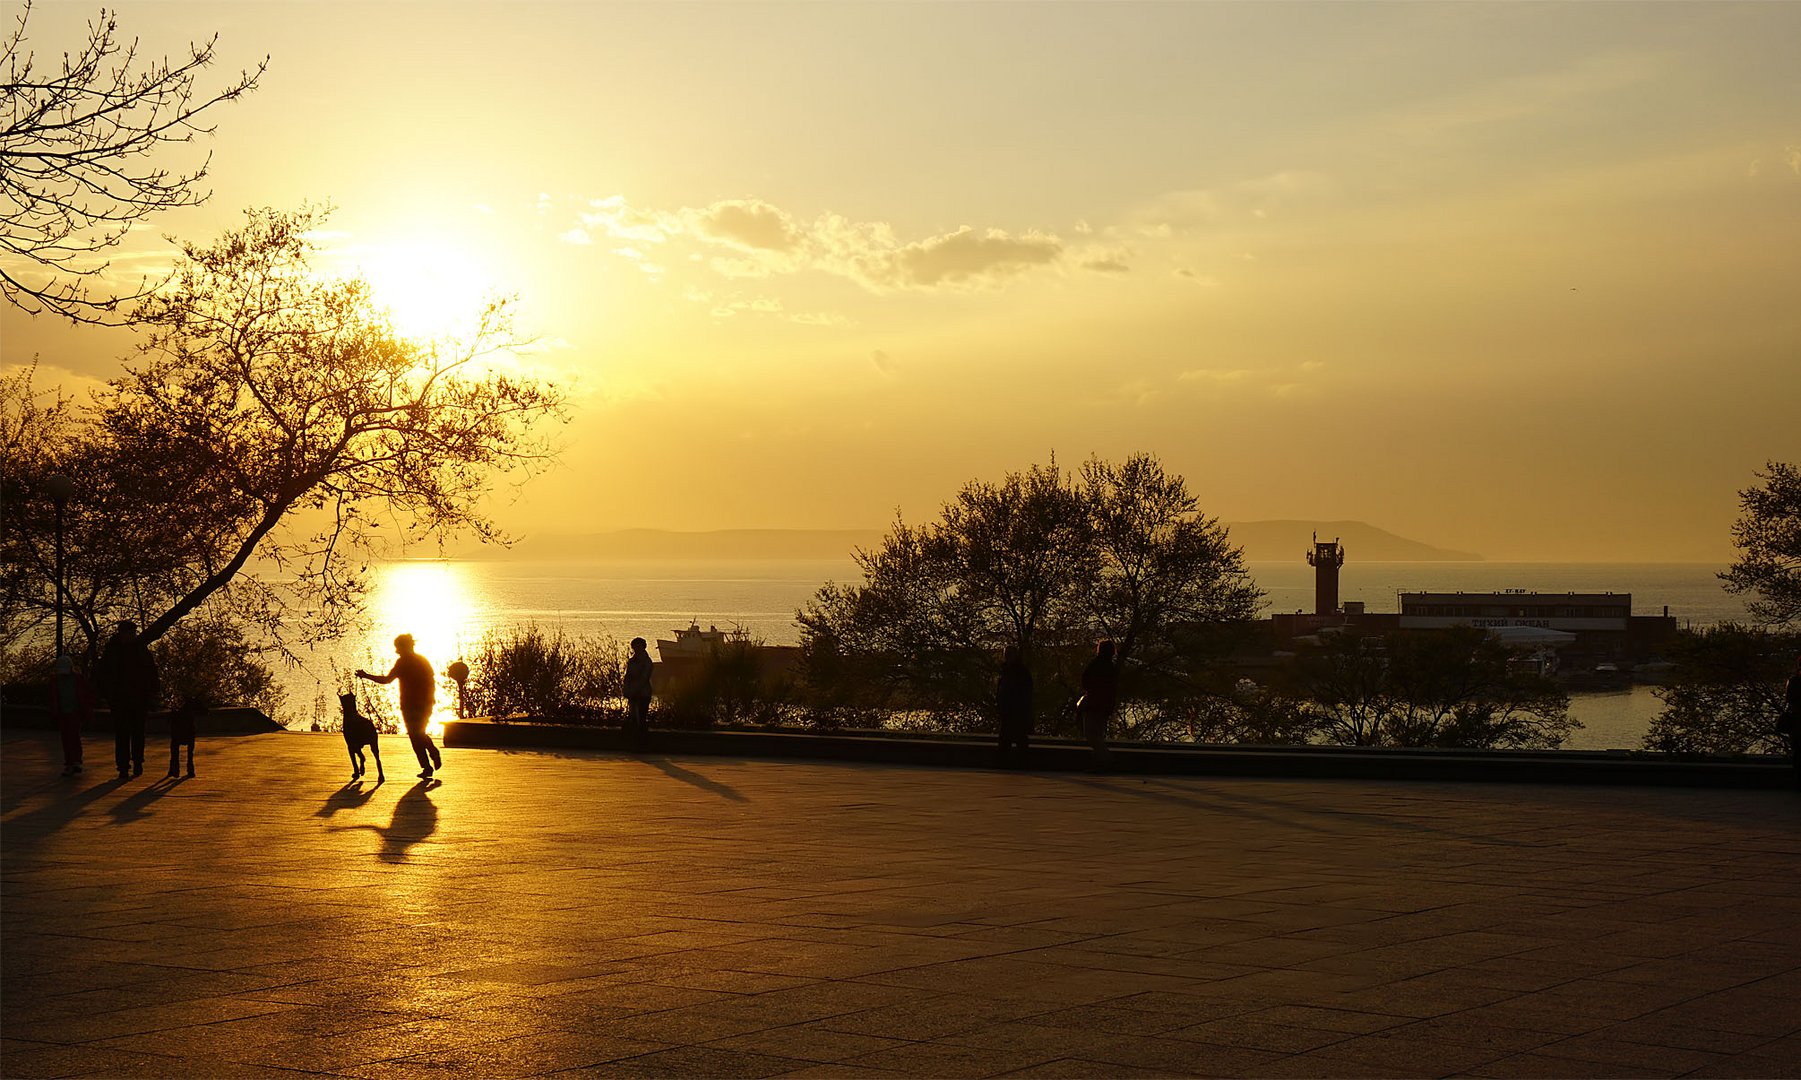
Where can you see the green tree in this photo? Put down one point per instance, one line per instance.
(1436, 688)
(1726, 691)
(272, 418)
(1768, 537)
(81, 159)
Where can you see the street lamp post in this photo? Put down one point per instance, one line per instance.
(59, 488)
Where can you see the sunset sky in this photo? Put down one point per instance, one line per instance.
(1523, 279)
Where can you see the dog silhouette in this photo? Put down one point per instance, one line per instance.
(359, 731)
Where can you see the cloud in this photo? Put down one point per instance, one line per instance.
(1283, 381)
(756, 305)
(820, 318)
(614, 217)
(883, 362)
(967, 257)
(749, 238)
(1215, 376)
(750, 224)
(1106, 264)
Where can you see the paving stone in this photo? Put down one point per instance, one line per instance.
(600, 914)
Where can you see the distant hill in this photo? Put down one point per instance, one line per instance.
(1261, 540)
(715, 544)
(1274, 541)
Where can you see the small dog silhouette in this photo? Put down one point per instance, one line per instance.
(359, 731)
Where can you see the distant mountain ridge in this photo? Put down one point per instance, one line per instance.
(1262, 541)
(1277, 541)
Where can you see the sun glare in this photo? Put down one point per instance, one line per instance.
(431, 289)
(431, 601)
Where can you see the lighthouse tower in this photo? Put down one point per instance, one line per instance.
(1325, 558)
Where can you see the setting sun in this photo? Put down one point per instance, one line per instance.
(432, 290)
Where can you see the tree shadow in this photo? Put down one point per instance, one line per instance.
(669, 768)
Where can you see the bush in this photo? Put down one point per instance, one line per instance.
(530, 672)
(1449, 688)
(1726, 692)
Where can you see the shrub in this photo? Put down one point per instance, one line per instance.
(528, 671)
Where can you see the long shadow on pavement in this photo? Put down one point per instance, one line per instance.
(1240, 804)
(415, 819)
(348, 797)
(669, 768)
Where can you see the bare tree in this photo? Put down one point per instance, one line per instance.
(80, 160)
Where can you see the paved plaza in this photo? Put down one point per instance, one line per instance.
(538, 913)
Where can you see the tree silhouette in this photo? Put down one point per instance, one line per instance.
(271, 415)
(80, 160)
(1768, 537)
(1037, 561)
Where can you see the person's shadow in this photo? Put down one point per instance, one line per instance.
(136, 807)
(415, 819)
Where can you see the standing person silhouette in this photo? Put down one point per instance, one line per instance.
(129, 680)
(72, 701)
(1100, 694)
(1013, 701)
(418, 692)
(637, 688)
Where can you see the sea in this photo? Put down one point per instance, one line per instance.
(450, 605)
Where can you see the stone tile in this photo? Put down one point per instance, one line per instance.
(1259, 1035)
(604, 914)
(808, 1042)
(699, 1061)
(948, 1060)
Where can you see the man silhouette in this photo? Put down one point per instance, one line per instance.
(1100, 695)
(1013, 703)
(129, 680)
(638, 689)
(418, 692)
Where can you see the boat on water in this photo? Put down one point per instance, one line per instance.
(692, 643)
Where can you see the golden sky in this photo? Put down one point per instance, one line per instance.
(1516, 278)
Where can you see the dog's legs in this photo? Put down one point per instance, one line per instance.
(375, 749)
(356, 763)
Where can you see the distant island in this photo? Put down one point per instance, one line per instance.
(1283, 541)
(1263, 541)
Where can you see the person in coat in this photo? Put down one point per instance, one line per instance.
(129, 681)
(1100, 696)
(1013, 703)
(72, 703)
(638, 668)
